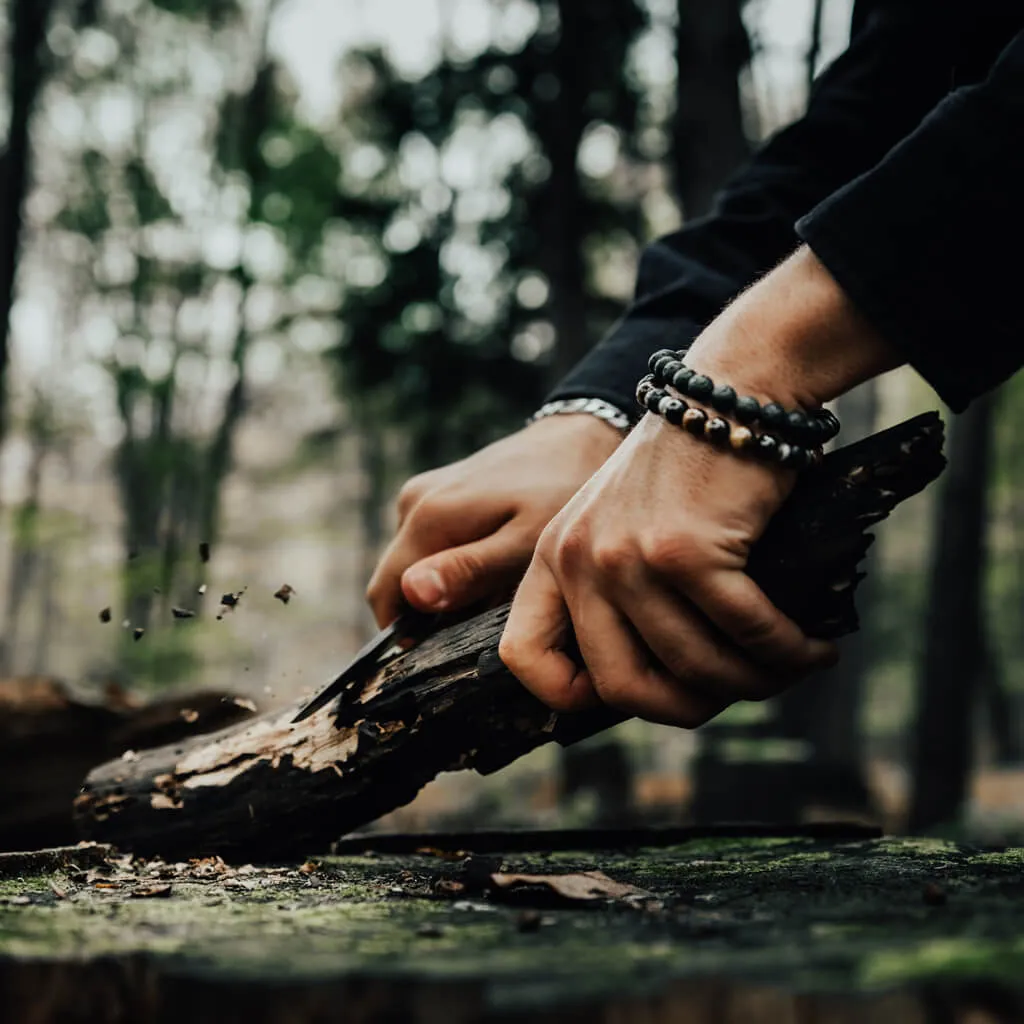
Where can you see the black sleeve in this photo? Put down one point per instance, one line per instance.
(930, 243)
(904, 57)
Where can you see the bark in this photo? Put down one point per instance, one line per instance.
(955, 647)
(274, 787)
(712, 48)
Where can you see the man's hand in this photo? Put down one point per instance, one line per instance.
(647, 562)
(467, 531)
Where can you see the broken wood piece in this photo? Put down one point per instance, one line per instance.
(273, 788)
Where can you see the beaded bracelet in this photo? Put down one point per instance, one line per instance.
(720, 432)
(808, 429)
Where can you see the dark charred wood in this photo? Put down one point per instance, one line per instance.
(273, 788)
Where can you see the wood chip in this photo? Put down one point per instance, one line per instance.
(138, 633)
(129, 755)
(183, 613)
(584, 886)
(284, 593)
(189, 714)
(106, 615)
(244, 702)
(204, 551)
(309, 868)
(151, 892)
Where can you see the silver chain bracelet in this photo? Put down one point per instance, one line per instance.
(611, 414)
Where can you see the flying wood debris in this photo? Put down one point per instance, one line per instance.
(190, 715)
(284, 593)
(204, 551)
(138, 632)
(106, 615)
(183, 613)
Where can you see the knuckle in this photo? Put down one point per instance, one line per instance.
(571, 546)
(510, 652)
(614, 559)
(679, 553)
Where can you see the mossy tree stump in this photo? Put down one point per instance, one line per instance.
(725, 931)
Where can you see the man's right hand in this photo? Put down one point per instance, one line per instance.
(466, 532)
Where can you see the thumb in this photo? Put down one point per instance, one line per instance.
(463, 575)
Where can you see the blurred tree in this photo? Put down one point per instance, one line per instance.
(27, 63)
(957, 651)
(712, 49)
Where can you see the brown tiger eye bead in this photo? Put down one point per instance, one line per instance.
(694, 420)
(741, 439)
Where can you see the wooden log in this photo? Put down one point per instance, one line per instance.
(50, 737)
(273, 788)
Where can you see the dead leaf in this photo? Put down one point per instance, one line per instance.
(448, 887)
(309, 868)
(244, 702)
(584, 886)
(151, 892)
(106, 885)
(284, 593)
(190, 715)
(106, 615)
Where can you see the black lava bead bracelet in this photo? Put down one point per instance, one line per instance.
(740, 438)
(806, 429)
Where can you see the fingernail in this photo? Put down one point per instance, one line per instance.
(427, 587)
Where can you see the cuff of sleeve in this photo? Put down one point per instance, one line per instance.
(611, 371)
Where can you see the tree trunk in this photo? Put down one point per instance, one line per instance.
(712, 48)
(955, 646)
(277, 787)
(563, 224)
(28, 67)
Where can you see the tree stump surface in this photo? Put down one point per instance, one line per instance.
(721, 931)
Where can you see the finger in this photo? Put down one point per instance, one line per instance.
(623, 674)
(691, 648)
(464, 575)
(534, 640)
(428, 530)
(743, 612)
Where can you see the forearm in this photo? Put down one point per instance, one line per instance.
(795, 337)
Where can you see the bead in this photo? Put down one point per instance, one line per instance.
(654, 397)
(657, 357)
(643, 389)
(773, 416)
(700, 387)
(716, 430)
(748, 410)
(670, 369)
(768, 447)
(783, 453)
(681, 379)
(660, 364)
(796, 458)
(797, 423)
(723, 398)
(672, 409)
(817, 456)
(694, 420)
(741, 439)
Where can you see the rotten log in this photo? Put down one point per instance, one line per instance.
(50, 737)
(274, 788)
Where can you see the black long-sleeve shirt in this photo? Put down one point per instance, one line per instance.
(905, 177)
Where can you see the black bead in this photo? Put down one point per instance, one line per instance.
(768, 447)
(654, 396)
(681, 379)
(700, 386)
(717, 431)
(694, 420)
(660, 364)
(796, 458)
(748, 410)
(672, 409)
(723, 398)
(662, 353)
(669, 370)
(773, 416)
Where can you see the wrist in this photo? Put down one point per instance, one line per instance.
(794, 337)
